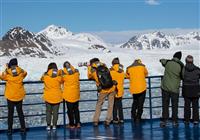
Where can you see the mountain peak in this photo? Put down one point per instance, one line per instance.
(53, 31)
(18, 33)
(194, 33)
(159, 34)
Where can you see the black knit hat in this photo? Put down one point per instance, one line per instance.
(12, 62)
(178, 55)
(93, 60)
(52, 66)
(66, 64)
(115, 61)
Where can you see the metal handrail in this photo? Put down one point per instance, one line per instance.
(150, 107)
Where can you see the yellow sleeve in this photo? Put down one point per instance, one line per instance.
(145, 71)
(89, 73)
(3, 76)
(42, 78)
(24, 74)
(127, 74)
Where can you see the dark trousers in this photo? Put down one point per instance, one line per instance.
(73, 113)
(52, 113)
(166, 97)
(137, 106)
(117, 109)
(11, 106)
(195, 108)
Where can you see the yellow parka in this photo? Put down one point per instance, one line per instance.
(52, 87)
(14, 90)
(71, 91)
(137, 73)
(93, 76)
(118, 75)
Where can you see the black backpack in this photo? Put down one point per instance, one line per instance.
(104, 77)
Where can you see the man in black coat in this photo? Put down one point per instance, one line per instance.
(191, 90)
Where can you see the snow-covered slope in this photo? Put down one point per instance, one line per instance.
(158, 40)
(52, 41)
(54, 32)
(83, 46)
(66, 41)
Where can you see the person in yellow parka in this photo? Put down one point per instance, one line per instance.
(106, 89)
(137, 73)
(118, 75)
(71, 94)
(14, 92)
(52, 94)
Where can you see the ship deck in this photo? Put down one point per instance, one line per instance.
(146, 130)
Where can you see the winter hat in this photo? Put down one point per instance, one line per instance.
(115, 61)
(189, 59)
(93, 60)
(68, 67)
(139, 61)
(12, 62)
(66, 64)
(52, 66)
(178, 55)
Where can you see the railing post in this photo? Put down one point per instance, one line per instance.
(64, 114)
(150, 102)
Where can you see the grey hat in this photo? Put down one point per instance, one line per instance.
(189, 59)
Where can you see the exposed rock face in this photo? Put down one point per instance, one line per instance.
(19, 41)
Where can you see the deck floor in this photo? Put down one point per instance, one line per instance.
(127, 131)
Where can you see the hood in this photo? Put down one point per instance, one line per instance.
(70, 70)
(117, 67)
(14, 71)
(53, 73)
(177, 60)
(137, 63)
(96, 64)
(190, 67)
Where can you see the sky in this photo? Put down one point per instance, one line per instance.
(99, 15)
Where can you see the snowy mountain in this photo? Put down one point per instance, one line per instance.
(158, 40)
(54, 32)
(66, 41)
(55, 41)
(18, 41)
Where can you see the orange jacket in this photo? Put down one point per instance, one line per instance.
(93, 76)
(137, 73)
(52, 87)
(71, 92)
(118, 75)
(14, 90)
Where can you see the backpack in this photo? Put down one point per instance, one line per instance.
(104, 77)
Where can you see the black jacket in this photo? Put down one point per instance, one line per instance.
(191, 76)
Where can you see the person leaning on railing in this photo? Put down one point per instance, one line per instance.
(93, 74)
(170, 87)
(52, 94)
(71, 94)
(136, 73)
(14, 92)
(118, 75)
(191, 90)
